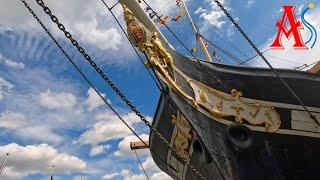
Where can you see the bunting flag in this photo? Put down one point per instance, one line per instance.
(215, 54)
(178, 2)
(194, 49)
(152, 14)
(162, 19)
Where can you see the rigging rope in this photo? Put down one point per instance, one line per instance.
(135, 50)
(184, 46)
(252, 58)
(78, 68)
(106, 78)
(306, 66)
(230, 44)
(3, 163)
(144, 171)
(293, 93)
(230, 55)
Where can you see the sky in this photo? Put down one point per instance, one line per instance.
(50, 116)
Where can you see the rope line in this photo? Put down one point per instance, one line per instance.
(135, 50)
(293, 93)
(86, 79)
(144, 171)
(184, 46)
(112, 85)
(230, 55)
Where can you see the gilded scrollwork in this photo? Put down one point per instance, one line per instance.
(252, 112)
(158, 57)
(218, 103)
(182, 135)
(221, 105)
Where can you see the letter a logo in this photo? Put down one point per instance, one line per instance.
(295, 27)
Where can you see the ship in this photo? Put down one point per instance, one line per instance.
(218, 121)
(227, 122)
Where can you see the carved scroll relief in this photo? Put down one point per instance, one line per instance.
(221, 104)
(182, 135)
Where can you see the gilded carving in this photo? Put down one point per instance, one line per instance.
(249, 111)
(220, 106)
(218, 103)
(182, 135)
(158, 57)
(203, 96)
(238, 109)
(135, 29)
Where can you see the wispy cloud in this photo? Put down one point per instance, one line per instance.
(10, 63)
(212, 15)
(34, 159)
(250, 3)
(5, 87)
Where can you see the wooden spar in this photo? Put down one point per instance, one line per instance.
(139, 145)
(199, 38)
(315, 69)
(4, 163)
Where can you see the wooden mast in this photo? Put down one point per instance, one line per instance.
(199, 38)
(315, 69)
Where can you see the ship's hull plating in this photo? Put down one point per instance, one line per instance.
(289, 153)
(272, 156)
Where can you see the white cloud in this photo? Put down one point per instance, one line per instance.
(34, 159)
(212, 16)
(39, 132)
(250, 3)
(129, 175)
(124, 145)
(10, 63)
(5, 87)
(52, 100)
(84, 24)
(108, 127)
(156, 174)
(12, 120)
(26, 129)
(103, 131)
(109, 176)
(290, 58)
(160, 176)
(96, 150)
(300, 9)
(94, 101)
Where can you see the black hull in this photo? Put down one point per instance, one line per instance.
(271, 155)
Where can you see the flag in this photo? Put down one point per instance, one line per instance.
(176, 18)
(193, 49)
(152, 14)
(162, 20)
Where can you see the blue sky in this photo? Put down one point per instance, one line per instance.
(49, 115)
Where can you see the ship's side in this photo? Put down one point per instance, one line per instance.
(227, 122)
(235, 145)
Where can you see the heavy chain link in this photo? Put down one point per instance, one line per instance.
(111, 84)
(293, 93)
(92, 63)
(77, 68)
